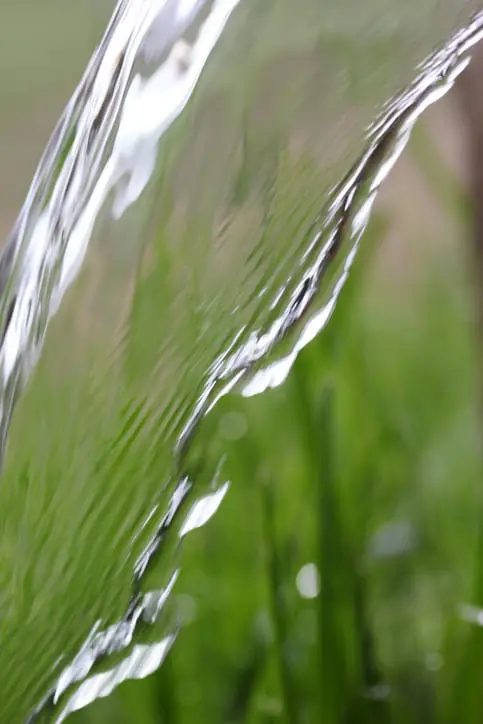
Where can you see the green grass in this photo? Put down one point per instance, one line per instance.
(367, 463)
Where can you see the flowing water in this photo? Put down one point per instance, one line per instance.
(189, 230)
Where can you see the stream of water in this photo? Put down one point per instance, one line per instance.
(156, 267)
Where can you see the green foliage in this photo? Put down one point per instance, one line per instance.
(370, 447)
(365, 463)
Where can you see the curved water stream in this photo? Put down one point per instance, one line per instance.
(157, 266)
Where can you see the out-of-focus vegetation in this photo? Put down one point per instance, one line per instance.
(365, 468)
(44, 48)
(341, 578)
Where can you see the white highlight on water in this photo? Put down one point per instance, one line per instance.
(308, 581)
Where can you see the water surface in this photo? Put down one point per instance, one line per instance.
(189, 230)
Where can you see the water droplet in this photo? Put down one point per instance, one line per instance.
(308, 581)
(233, 426)
(434, 661)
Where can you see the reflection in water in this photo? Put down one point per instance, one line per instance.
(177, 272)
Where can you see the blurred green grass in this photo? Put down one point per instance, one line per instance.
(367, 464)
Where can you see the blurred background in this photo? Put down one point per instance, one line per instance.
(362, 474)
(44, 48)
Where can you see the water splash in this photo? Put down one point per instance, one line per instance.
(102, 159)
